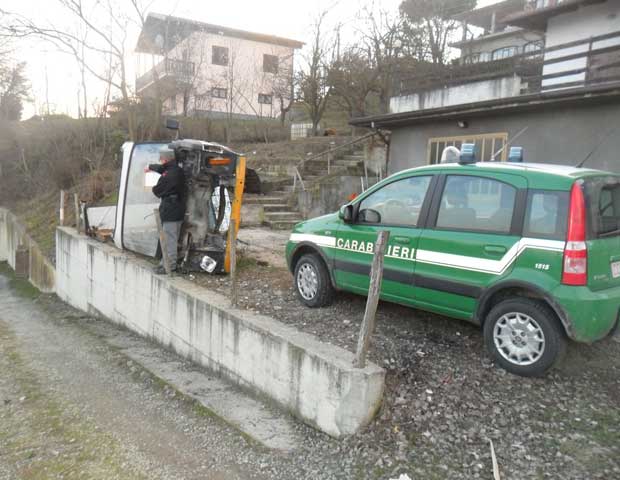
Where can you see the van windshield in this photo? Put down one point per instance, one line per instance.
(603, 197)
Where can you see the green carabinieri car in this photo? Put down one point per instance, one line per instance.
(531, 252)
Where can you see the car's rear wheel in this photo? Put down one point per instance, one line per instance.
(312, 281)
(524, 336)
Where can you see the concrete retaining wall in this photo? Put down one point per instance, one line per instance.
(312, 380)
(328, 195)
(13, 237)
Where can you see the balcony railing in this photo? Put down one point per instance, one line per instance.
(168, 68)
(540, 4)
(581, 63)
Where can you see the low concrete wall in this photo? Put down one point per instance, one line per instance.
(13, 237)
(457, 94)
(314, 381)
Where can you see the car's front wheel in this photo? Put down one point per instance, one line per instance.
(524, 336)
(312, 281)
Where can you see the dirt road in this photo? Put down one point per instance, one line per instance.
(71, 408)
(74, 407)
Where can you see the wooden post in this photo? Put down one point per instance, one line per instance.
(62, 208)
(76, 205)
(376, 277)
(235, 213)
(162, 242)
(232, 249)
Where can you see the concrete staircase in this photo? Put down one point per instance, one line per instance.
(344, 163)
(279, 212)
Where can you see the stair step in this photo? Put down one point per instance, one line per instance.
(276, 207)
(282, 216)
(281, 195)
(347, 163)
(282, 225)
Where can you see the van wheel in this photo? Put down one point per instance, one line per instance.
(312, 282)
(524, 336)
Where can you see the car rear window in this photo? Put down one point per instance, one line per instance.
(546, 215)
(603, 198)
(472, 203)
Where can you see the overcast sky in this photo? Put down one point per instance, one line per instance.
(286, 18)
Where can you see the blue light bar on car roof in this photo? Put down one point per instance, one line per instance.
(516, 155)
(468, 153)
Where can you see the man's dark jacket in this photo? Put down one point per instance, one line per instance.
(171, 189)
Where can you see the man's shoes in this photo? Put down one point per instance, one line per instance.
(159, 270)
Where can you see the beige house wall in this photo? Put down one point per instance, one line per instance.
(243, 78)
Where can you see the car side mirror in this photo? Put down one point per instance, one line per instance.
(346, 213)
(369, 216)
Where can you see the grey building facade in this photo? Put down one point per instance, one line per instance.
(557, 127)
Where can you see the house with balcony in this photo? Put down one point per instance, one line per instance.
(554, 88)
(201, 69)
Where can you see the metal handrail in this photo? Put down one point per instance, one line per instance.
(327, 153)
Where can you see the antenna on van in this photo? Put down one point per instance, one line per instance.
(596, 147)
(508, 144)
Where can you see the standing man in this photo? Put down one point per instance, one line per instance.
(171, 190)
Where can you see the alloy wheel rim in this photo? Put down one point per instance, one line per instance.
(307, 281)
(519, 339)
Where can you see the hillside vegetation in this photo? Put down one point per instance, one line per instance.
(40, 157)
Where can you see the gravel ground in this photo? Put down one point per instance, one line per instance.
(445, 399)
(72, 407)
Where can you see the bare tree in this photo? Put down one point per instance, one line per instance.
(432, 22)
(91, 44)
(381, 41)
(353, 79)
(283, 86)
(313, 87)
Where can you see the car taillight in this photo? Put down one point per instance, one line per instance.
(576, 251)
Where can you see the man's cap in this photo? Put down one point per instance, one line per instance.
(167, 153)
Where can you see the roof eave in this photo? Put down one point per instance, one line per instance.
(537, 19)
(515, 104)
(146, 43)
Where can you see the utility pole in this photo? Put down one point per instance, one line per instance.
(47, 93)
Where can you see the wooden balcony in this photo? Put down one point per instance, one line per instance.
(582, 63)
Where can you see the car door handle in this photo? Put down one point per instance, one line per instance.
(494, 249)
(402, 240)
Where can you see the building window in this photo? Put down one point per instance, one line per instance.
(533, 47)
(265, 99)
(270, 63)
(546, 3)
(476, 204)
(505, 52)
(217, 92)
(488, 146)
(219, 56)
(473, 58)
